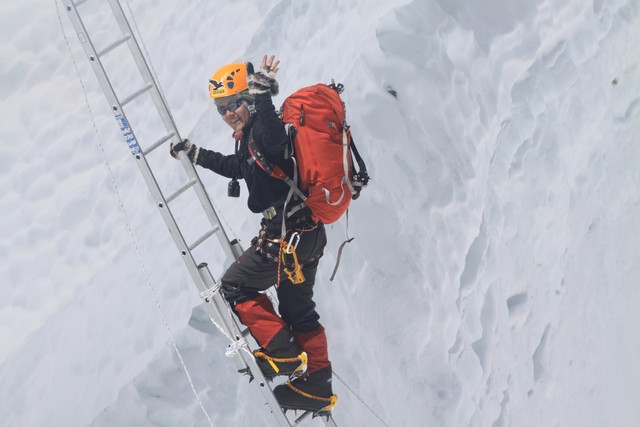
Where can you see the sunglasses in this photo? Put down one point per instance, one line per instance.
(232, 106)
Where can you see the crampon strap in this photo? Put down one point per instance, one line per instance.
(332, 401)
(272, 361)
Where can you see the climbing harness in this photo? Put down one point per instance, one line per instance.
(283, 250)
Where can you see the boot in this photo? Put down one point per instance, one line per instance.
(314, 343)
(281, 356)
(278, 354)
(308, 393)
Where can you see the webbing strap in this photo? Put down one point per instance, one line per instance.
(296, 209)
(362, 167)
(335, 268)
(302, 358)
(292, 187)
(349, 240)
(327, 193)
(345, 161)
(332, 401)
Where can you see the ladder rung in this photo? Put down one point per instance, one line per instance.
(136, 94)
(159, 143)
(181, 190)
(301, 418)
(114, 45)
(204, 237)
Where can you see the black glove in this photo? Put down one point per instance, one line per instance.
(191, 150)
(264, 81)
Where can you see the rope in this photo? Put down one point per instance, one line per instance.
(360, 399)
(128, 226)
(235, 346)
(209, 293)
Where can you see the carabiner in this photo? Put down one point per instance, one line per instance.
(294, 237)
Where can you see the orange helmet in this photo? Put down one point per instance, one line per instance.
(230, 79)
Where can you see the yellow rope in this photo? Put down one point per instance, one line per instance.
(302, 357)
(333, 400)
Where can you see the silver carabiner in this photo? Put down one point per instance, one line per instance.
(294, 237)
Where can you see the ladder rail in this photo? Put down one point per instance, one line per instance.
(143, 67)
(169, 123)
(129, 135)
(152, 184)
(163, 110)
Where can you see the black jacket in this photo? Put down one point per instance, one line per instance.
(271, 138)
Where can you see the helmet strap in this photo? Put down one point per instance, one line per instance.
(250, 107)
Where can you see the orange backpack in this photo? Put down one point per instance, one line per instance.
(325, 179)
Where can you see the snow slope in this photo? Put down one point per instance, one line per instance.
(493, 280)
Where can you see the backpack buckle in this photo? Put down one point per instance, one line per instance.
(269, 213)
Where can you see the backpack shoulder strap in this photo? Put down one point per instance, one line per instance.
(273, 171)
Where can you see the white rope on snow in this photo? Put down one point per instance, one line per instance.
(360, 399)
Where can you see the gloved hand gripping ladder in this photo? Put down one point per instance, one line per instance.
(200, 273)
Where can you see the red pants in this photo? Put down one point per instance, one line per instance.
(255, 271)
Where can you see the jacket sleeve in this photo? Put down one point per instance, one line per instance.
(222, 165)
(274, 136)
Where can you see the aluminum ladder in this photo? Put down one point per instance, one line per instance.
(208, 287)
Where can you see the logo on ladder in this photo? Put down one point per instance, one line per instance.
(129, 138)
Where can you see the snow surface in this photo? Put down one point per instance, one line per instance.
(494, 278)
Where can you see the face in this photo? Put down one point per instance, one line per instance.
(236, 117)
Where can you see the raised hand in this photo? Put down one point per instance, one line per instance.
(264, 81)
(269, 65)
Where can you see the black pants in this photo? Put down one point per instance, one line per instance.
(256, 270)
